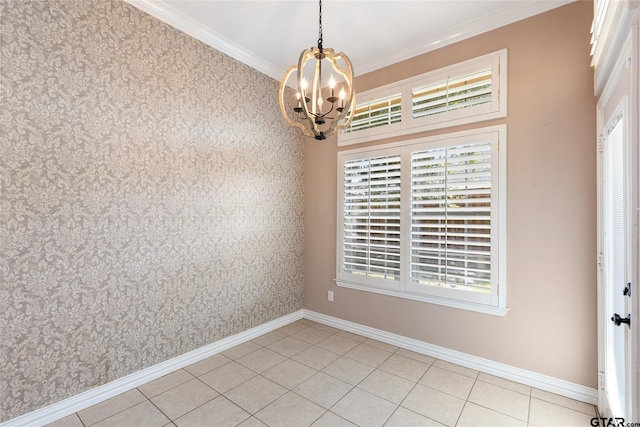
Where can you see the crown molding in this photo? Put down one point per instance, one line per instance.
(170, 15)
(516, 11)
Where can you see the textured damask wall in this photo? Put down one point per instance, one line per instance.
(151, 198)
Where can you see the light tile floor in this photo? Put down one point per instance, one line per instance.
(308, 374)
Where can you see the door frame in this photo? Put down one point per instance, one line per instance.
(626, 57)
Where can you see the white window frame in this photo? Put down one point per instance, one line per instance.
(379, 131)
(495, 303)
(497, 108)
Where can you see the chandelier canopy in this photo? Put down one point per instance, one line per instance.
(326, 106)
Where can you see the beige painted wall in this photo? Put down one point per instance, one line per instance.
(551, 211)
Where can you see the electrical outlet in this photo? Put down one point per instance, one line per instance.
(330, 295)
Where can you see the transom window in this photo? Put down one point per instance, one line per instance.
(452, 93)
(467, 92)
(379, 112)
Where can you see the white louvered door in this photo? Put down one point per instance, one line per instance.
(617, 311)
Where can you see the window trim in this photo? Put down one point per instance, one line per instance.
(376, 132)
(497, 108)
(401, 288)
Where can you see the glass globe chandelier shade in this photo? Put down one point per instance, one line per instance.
(321, 107)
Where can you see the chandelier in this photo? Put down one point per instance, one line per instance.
(320, 109)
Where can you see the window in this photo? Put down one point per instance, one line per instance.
(452, 93)
(371, 221)
(424, 219)
(467, 92)
(376, 112)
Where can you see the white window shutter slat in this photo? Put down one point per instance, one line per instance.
(453, 93)
(371, 217)
(451, 217)
(377, 112)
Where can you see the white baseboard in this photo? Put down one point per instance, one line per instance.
(81, 401)
(99, 394)
(533, 379)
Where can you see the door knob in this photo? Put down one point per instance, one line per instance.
(618, 320)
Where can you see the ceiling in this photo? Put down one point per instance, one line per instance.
(270, 35)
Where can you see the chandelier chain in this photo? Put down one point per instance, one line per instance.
(320, 27)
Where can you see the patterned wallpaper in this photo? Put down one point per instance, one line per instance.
(151, 198)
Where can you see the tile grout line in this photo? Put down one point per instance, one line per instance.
(529, 407)
(367, 376)
(280, 363)
(115, 413)
(466, 400)
(405, 398)
(410, 391)
(78, 417)
(166, 415)
(155, 406)
(335, 333)
(315, 373)
(326, 410)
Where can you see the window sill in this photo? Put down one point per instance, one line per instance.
(463, 305)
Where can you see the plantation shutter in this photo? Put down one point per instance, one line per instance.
(378, 112)
(600, 11)
(451, 217)
(452, 93)
(371, 217)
